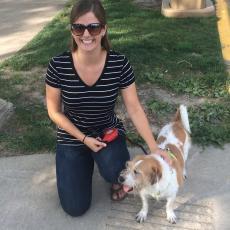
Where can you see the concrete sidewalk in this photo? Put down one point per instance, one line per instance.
(21, 20)
(29, 198)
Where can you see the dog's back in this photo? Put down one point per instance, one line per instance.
(175, 137)
(176, 134)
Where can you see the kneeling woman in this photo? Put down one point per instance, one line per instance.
(86, 81)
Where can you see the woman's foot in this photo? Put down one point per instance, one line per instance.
(117, 192)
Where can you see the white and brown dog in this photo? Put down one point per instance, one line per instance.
(150, 175)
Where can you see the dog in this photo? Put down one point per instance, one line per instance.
(151, 175)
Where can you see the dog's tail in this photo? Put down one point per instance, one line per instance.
(182, 116)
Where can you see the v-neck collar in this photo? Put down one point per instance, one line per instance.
(78, 76)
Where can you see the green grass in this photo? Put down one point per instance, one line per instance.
(180, 55)
(210, 122)
(29, 129)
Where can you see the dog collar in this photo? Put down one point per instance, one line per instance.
(171, 154)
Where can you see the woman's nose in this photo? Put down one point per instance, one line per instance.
(86, 33)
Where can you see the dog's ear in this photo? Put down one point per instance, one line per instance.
(155, 175)
(139, 157)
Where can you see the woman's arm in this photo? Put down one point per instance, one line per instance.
(139, 119)
(138, 116)
(53, 101)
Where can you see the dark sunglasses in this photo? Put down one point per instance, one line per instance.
(93, 28)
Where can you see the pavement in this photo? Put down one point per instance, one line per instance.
(28, 194)
(29, 197)
(21, 20)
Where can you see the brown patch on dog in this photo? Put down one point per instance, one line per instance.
(138, 158)
(160, 140)
(179, 131)
(132, 163)
(177, 163)
(177, 116)
(151, 168)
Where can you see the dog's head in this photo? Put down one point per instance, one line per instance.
(141, 172)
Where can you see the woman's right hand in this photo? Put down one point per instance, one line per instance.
(94, 144)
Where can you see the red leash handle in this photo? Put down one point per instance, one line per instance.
(110, 135)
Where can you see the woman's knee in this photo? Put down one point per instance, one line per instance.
(74, 169)
(75, 212)
(111, 172)
(77, 209)
(111, 160)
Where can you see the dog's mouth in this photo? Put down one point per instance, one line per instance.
(126, 188)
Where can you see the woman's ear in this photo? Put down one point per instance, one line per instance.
(72, 34)
(104, 30)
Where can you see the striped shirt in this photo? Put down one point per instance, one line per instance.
(89, 108)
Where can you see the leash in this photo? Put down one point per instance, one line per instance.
(112, 133)
(139, 145)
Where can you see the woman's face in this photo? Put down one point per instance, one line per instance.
(87, 41)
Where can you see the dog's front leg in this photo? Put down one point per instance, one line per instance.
(142, 215)
(171, 217)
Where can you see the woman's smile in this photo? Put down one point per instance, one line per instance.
(87, 41)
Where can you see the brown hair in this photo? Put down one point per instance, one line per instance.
(82, 7)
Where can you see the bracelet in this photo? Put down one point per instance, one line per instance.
(84, 138)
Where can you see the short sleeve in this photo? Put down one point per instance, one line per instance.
(127, 75)
(52, 78)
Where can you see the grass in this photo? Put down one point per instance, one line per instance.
(210, 122)
(182, 56)
(29, 129)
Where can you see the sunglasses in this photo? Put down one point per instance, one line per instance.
(93, 28)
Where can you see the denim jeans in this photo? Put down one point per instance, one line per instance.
(74, 170)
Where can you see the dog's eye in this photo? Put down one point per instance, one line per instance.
(135, 172)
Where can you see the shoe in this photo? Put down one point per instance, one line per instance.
(118, 194)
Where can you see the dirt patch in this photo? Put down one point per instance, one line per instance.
(147, 92)
(33, 87)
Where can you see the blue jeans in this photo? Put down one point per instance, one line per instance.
(74, 170)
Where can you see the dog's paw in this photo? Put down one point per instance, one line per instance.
(141, 216)
(171, 217)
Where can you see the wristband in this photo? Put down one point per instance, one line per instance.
(84, 138)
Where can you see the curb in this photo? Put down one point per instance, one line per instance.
(223, 24)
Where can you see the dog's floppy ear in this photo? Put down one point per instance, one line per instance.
(155, 175)
(139, 157)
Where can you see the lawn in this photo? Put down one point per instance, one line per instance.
(182, 56)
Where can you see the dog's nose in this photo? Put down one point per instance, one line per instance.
(121, 179)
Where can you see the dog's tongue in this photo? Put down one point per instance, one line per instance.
(127, 188)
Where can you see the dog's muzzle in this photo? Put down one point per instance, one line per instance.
(121, 179)
(126, 188)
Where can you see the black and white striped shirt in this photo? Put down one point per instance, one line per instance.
(90, 108)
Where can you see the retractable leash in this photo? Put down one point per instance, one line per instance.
(139, 145)
(112, 134)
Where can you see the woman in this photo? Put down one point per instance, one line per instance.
(86, 80)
